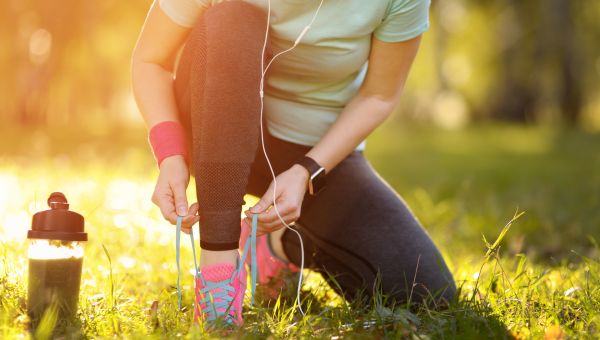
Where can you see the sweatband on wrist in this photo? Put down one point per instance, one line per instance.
(168, 139)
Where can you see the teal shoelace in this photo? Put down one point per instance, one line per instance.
(225, 285)
(210, 297)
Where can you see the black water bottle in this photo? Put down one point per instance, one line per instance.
(56, 243)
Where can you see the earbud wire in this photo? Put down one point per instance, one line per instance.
(262, 137)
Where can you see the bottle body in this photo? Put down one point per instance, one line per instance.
(54, 278)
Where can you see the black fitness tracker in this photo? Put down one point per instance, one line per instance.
(316, 181)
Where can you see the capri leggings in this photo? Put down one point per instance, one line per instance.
(358, 230)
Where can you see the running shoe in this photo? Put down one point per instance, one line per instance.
(220, 292)
(269, 267)
(219, 288)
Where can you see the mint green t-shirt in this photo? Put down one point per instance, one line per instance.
(308, 87)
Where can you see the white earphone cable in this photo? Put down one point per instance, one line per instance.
(262, 137)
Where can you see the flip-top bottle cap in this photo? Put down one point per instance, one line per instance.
(58, 223)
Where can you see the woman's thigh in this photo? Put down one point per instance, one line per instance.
(365, 236)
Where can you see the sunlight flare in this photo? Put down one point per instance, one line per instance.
(51, 250)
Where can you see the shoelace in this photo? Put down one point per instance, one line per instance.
(211, 305)
(225, 285)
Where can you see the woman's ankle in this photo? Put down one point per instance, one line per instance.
(276, 245)
(210, 257)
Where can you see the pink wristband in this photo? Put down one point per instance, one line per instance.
(168, 139)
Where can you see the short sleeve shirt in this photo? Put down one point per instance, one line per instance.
(308, 88)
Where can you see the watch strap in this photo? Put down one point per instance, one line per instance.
(316, 174)
(309, 164)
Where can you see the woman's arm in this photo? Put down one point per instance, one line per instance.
(389, 64)
(152, 67)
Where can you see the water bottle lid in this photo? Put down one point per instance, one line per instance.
(58, 223)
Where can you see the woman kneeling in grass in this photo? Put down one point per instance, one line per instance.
(322, 99)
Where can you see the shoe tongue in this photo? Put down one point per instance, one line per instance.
(218, 272)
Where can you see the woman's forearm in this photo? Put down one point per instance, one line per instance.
(153, 91)
(359, 118)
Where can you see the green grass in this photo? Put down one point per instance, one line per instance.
(536, 277)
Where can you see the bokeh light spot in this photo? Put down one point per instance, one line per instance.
(40, 46)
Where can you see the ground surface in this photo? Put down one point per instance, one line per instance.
(542, 279)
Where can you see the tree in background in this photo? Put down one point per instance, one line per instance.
(539, 62)
(67, 62)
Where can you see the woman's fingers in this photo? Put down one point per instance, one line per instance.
(167, 208)
(164, 201)
(268, 215)
(170, 191)
(191, 219)
(188, 222)
(179, 194)
(289, 219)
(194, 209)
(291, 188)
(265, 228)
(265, 201)
(283, 208)
(187, 227)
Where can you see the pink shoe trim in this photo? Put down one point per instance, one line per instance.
(269, 265)
(218, 272)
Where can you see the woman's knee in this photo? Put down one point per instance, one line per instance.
(395, 286)
(227, 39)
(435, 288)
(412, 268)
(232, 24)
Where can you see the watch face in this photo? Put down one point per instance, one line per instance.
(318, 181)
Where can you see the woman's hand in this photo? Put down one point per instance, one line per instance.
(291, 187)
(169, 193)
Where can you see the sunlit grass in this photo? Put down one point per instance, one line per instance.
(461, 185)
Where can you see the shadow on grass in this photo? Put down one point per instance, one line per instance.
(468, 316)
(328, 315)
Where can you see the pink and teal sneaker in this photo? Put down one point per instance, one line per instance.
(219, 288)
(268, 265)
(219, 293)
